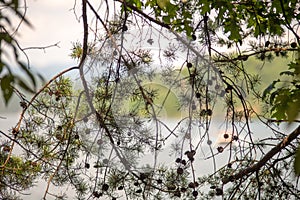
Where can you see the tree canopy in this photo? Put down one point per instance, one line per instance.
(171, 101)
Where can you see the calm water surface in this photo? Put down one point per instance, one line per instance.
(202, 165)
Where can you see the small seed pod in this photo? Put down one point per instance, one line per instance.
(189, 65)
(209, 112)
(177, 193)
(228, 89)
(235, 137)
(195, 193)
(178, 160)
(194, 37)
(23, 104)
(105, 187)
(171, 187)
(293, 44)
(15, 131)
(226, 136)
(85, 119)
(183, 189)
(139, 191)
(179, 170)
(219, 191)
(267, 44)
(6, 148)
(97, 194)
(87, 165)
(220, 149)
(191, 185)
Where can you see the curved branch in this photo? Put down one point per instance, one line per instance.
(286, 141)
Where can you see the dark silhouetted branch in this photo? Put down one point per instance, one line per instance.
(253, 168)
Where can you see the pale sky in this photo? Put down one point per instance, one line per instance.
(53, 21)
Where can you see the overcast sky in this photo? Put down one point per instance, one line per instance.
(53, 21)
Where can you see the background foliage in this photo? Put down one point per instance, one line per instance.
(10, 51)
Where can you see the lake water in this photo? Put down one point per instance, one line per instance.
(202, 164)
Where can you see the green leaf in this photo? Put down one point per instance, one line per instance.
(295, 66)
(24, 85)
(293, 110)
(188, 29)
(138, 4)
(270, 88)
(279, 114)
(288, 73)
(30, 75)
(205, 7)
(6, 19)
(297, 162)
(234, 29)
(163, 4)
(166, 19)
(16, 4)
(1, 66)
(7, 89)
(6, 37)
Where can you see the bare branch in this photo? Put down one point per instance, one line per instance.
(286, 141)
(41, 47)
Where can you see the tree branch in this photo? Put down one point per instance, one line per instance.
(162, 24)
(286, 141)
(244, 57)
(100, 119)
